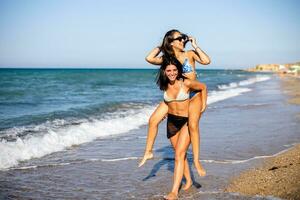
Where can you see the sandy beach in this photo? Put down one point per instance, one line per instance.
(291, 85)
(278, 176)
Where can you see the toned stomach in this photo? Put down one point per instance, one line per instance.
(179, 108)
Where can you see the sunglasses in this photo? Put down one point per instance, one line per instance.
(183, 37)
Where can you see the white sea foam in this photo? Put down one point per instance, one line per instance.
(155, 158)
(247, 160)
(216, 96)
(258, 78)
(39, 166)
(269, 197)
(119, 159)
(56, 139)
(206, 161)
(37, 146)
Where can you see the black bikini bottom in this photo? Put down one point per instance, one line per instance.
(174, 124)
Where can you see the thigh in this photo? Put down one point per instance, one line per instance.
(195, 107)
(159, 113)
(183, 140)
(174, 140)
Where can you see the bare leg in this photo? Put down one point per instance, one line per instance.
(156, 117)
(182, 145)
(187, 175)
(194, 117)
(186, 172)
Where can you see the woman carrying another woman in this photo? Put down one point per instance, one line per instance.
(176, 96)
(172, 49)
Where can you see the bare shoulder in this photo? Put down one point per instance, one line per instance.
(187, 82)
(190, 54)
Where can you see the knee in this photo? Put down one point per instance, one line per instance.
(153, 121)
(193, 126)
(180, 155)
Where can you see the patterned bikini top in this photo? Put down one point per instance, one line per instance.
(186, 67)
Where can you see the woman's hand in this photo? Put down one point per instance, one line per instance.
(200, 56)
(148, 155)
(193, 41)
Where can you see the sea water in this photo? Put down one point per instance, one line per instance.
(85, 130)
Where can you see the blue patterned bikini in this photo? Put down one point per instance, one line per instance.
(187, 68)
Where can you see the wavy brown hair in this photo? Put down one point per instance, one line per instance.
(161, 79)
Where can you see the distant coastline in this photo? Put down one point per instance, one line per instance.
(288, 68)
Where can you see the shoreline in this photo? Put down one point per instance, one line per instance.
(277, 176)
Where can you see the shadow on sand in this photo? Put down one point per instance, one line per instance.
(168, 159)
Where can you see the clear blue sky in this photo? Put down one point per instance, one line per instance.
(119, 33)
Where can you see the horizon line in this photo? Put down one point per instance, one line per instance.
(111, 67)
(133, 68)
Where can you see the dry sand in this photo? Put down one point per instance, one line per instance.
(278, 176)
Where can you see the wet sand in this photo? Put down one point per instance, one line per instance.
(291, 85)
(278, 176)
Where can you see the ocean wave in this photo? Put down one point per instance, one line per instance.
(60, 135)
(56, 140)
(216, 96)
(257, 78)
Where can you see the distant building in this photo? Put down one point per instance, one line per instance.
(294, 69)
(290, 68)
(267, 67)
(283, 69)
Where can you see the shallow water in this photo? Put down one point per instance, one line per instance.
(235, 134)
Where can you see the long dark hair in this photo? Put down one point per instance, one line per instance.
(166, 48)
(161, 79)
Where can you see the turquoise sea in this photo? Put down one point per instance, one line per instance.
(79, 133)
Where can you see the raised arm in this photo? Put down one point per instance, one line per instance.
(198, 54)
(153, 57)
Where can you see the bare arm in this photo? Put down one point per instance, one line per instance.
(196, 85)
(198, 54)
(153, 58)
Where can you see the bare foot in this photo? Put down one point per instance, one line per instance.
(187, 185)
(201, 171)
(171, 196)
(148, 155)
